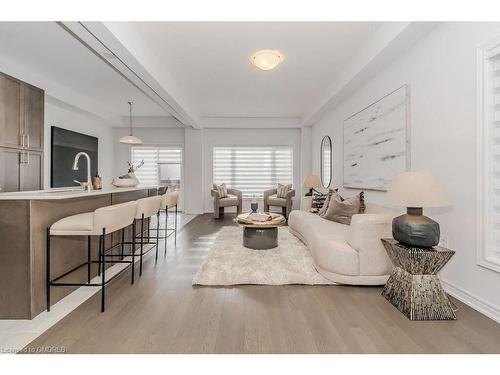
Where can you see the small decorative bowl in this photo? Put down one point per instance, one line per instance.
(125, 182)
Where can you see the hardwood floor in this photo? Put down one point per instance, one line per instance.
(163, 313)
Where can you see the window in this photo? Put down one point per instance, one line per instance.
(162, 165)
(253, 169)
(489, 157)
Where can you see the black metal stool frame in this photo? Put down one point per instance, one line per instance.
(102, 262)
(167, 229)
(142, 242)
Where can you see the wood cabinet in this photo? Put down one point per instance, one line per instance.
(31, 171)
(10, 169)
(20, 170)
(32, 117)
(21, 135)
(10, 112)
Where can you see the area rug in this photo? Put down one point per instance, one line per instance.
(229, 263)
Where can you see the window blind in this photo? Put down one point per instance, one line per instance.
(149, 173)
(253, 169)
(494, 156)
(489, 191)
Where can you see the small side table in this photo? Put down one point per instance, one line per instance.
(414, 287)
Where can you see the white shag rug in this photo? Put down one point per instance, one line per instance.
(230, 263)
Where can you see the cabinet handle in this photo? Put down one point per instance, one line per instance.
(21, 157)
(21, 139)
(28, 143)
(27, 160)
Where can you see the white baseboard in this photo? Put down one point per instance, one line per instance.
(478, 304)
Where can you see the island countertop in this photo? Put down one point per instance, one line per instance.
(68, 193)
(24, 219)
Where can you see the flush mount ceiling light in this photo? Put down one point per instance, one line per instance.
(130, 139)
(267, 59)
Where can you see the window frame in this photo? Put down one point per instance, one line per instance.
(291, 147)
(485, 256)
(173, 146)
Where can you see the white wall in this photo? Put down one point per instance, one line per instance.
(441, 71)
(248, 137)
(193, 165)
(65, 116)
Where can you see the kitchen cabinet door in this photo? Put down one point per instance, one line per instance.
(32, 117)
(10, 112)
(9, 170)
(31, 175)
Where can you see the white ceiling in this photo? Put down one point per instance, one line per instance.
(210, 62)
(45, 48)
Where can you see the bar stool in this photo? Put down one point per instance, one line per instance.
(146, 208)
(104, 220)
(169, 200)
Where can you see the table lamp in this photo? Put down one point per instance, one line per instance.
(415, 190)
(311, 182)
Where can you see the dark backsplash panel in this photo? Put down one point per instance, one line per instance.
(65, 144)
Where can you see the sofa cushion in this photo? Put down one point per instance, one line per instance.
(273, 200)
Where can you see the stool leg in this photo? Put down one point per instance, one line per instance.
(102, 251)
(175, 228)
(166, 228)
(99, 262)
(149, 228)
(123, 240)
(47, 285)
(157, 235)
(133, 250)
(88, 258)
(142, 244)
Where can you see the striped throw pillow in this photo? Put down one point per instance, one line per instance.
(320, 201)
(283, 190)
(221, 189)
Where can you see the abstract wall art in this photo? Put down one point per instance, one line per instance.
(377, 142)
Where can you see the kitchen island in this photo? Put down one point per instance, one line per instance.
(24, 217)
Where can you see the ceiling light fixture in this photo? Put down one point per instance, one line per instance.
(130, 139)
(267, 59)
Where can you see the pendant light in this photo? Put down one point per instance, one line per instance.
(130, 139)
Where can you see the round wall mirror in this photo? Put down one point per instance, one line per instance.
(326, 161)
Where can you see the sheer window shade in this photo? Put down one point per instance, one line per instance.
(489, 211)
(253, 169)
(495, 156)
(148, 174)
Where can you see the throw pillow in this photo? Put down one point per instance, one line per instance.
(323, 209)
(341, 210)
(283, 190)
(320, 201)
(221, 189)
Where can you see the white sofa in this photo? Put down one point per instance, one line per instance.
(347, 254)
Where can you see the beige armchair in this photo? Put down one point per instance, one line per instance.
(271, 199)
(234, 198)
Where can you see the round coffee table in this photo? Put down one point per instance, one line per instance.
(260, 235)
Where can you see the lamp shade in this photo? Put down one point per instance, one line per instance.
(416, 189)
(312, 181)
(131, 140)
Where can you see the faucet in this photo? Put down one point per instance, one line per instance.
(88, 186)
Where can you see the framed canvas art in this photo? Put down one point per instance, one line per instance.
(377, 142)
